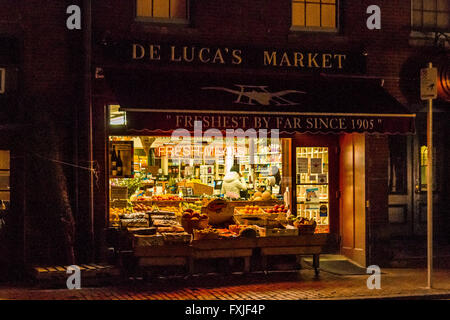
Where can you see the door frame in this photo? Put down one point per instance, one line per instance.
(331, 141)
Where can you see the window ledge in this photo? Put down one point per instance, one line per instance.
(164, 26)
(163, 21)
(312, 36)
(298, 29)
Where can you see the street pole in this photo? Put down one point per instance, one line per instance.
(430, 189)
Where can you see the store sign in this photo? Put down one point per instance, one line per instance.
(308, 59)
(280, 121)
(241, 125)
(195, 151)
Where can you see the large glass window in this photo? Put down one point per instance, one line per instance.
(315, 14)
(431, 15)
(117, 117)
(148, 169)
(169, 10)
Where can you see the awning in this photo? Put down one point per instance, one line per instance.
(164, 101)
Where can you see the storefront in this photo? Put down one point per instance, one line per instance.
(271, 143)
(11, 160)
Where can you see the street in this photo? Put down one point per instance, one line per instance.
(301, 285)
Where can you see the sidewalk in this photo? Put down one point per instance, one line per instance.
(302, 285)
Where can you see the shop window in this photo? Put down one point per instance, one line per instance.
(423, 167)
(117, 117)
(314, 14)
(431, 15)
(158, 172)
(397, 174)
(424, 162)
(163, 10)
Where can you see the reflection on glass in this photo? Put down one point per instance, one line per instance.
(312, 185)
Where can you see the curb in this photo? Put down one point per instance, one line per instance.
(429, 296)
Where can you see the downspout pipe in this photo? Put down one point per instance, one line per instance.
(87, 49)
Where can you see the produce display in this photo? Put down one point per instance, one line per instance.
(115, 213)
(191, 220)
(166, 197)
(141, 207)
(250, 210)
(278, 208)
(162, 197)
(196, 206)
(298, 221)
(261, 196)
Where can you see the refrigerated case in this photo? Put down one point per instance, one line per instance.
(312, 185)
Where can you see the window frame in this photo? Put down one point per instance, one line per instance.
(165, 21)
(421, 28)
(297, 28)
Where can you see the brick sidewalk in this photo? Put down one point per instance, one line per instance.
(301, 285)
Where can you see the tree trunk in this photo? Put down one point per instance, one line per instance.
(52, 197)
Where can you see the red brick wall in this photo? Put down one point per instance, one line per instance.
(51, 81)
(267, 23)
(52, 76)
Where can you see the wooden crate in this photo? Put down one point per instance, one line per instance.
(91, 274)
(277, 232)
(200, 189)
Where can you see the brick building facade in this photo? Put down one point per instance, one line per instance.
(57, 76)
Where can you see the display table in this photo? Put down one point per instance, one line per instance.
(163, 255)
(187, 254)
(223, 248)
(292, 245)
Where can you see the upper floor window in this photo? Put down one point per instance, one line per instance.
(431, 15)
(163, 10)
(314, 14)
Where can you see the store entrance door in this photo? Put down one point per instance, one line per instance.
(352, 199)
(316, 180)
